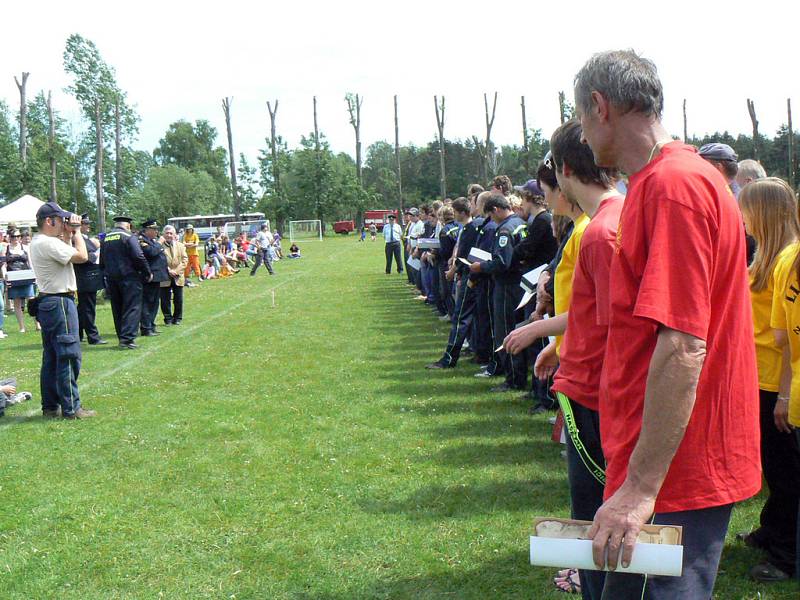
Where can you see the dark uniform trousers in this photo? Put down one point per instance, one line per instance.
(392, 250)
(126, 307)
(150, 297)
(506, 297)
(463, 313)
(409, 270)
(262, 257)
(87, 306)
(483, 324)
(61, 354)
(172, 302)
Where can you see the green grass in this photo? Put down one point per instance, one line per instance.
(298, 452)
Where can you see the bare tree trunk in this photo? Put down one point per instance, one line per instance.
(685, 126)
(440, 126)
(98, 167)
(318, 174)
(562, 107)
(237, 208)
(751, 108)
(791, 143)
(51, 139)
(354, 108)
(481, 150)
(276, 171)
(491, 163)
(23, 119)
(117, 151)
(525, 148)
(397, 162)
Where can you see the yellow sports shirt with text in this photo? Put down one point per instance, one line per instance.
(566, 269)
(768, 355)
(786, 316)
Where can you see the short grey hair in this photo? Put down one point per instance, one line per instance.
(625, 79)
(168, 228)
(751, 169)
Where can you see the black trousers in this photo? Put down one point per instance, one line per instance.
(780, 461)
(87, 309)
(461, 323)
(392, 250)
(150, 297)
(409, 270)
(506, 297)
(126, 307)
(172, 303)
(482, 324)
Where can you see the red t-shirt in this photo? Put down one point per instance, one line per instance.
(680, 263)
(584, 346)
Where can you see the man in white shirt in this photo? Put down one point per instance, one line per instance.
(53, 251)
(264, 240)
(392, 234)
(416, 231)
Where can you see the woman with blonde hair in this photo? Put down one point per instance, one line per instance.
(770, 211)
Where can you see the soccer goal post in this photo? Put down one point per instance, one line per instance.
(309, 231)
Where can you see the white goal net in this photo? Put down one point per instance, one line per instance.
(309, 231)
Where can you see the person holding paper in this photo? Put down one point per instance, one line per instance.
(679, 395)
(414, 233)
(483, 285)
(506, 294)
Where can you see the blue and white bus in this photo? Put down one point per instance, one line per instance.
(205, 225)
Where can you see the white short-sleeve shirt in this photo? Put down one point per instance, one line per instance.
(50, 258)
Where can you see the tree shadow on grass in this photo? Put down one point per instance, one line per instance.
(503, 453)
(504, 425)
(466, 500)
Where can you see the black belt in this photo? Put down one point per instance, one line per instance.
(60, 295)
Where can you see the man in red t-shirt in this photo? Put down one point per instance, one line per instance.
(679, 393)
(577, 380)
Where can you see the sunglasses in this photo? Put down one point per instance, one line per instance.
(548, 161)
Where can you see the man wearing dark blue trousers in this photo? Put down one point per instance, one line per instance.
(53, 251)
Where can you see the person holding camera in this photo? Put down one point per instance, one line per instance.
(58, 245)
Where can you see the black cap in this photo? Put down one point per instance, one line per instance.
(52, 209)
(150, 224)
(391, 216)
(123, 219)
(85, 220)
(717, 151)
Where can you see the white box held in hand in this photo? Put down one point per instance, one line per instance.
(478, 255)
(428, 243)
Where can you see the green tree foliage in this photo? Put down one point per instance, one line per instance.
(247, 179)
(10, 166)
(172, 191)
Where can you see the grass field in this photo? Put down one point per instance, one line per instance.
(297, 452)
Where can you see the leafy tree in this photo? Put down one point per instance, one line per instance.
(247, 179)
(10, 165)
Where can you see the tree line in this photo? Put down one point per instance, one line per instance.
(97, 170)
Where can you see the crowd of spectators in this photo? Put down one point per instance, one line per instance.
(650, 287)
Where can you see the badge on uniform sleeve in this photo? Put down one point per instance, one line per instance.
(503, 241)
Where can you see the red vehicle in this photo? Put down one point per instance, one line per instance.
(344, 227)
(378, 217)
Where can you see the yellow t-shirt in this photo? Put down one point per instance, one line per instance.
(566, 268)
(191, 239)
(786, 316)
(768, 355)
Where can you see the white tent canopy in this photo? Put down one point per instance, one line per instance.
(21, 211)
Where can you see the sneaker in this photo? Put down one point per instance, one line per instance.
(503, 387)
(190, 284)
(81, 413)
(485, 374)
(767, 573)
(20, 397)
(444, 318)
(51, 414)
(3, 334)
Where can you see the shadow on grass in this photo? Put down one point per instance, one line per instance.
(465, 500)
(501, 426)
(510, 453)
(507, 575)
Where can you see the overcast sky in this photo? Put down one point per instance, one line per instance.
(177, 60)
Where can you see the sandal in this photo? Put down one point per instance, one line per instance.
(568, 581)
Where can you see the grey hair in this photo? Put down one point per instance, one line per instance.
(625, 79)
(751, 169)
(168, 228)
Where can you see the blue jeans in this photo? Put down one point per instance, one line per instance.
(2, 304)
(61, 354)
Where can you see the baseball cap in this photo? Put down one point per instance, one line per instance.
(85, 220)
(52, 209)
(717, 151)
(413, 212)
(530, 187)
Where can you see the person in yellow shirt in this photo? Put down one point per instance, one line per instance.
(769, 208)
(192, 242)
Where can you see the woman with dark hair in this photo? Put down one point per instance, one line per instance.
(16, 259)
